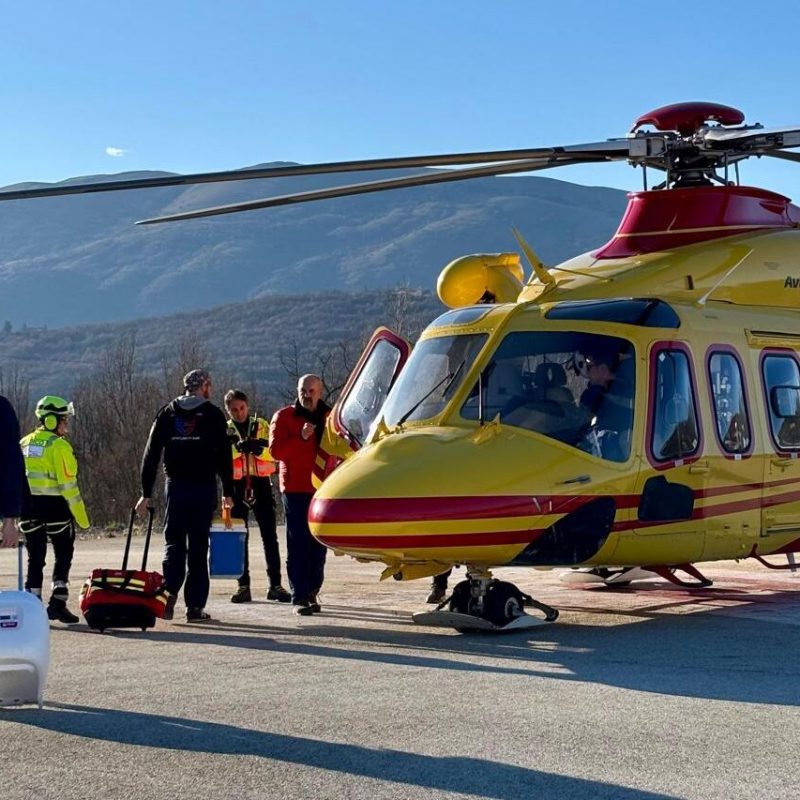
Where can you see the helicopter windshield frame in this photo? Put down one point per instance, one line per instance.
(437, 368)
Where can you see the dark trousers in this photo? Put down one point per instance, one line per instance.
(37, 532)
(187, 522)
(263, 507)
(440, 580)
(305, 557)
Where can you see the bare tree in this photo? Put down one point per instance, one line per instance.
(333, 366)
(115, 406)
(400, 314)
(191, 353)
(16, 387)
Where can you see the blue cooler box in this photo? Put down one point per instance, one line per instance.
(226, 551)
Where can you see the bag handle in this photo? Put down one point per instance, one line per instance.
(150, 514)
(226, 518)
(128, 539)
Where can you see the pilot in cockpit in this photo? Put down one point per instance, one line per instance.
(607, 402)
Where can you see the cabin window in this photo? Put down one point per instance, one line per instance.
(675, 431)
(729, 402)
(782, 384)
(432, 375)
(577, 388)
(364, 400)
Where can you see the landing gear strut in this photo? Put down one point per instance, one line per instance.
(484, 603)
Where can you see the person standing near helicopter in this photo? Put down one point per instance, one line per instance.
(252, 490)
(294, 436)
(13, 472)
(53, 503)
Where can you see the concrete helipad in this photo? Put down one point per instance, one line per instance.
(636, 694)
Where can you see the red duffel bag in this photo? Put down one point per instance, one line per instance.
(124, 598)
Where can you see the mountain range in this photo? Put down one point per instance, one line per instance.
(67, 261)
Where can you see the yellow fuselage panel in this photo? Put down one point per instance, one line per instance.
(749, 269)
(449, 490)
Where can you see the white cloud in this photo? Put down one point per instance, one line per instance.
(115, 152)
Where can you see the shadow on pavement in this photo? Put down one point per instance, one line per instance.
(473, 776)
(705, 655)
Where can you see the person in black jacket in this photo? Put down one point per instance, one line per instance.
(12, 474)
(192, 434)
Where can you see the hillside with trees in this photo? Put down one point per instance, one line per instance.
(72, 260)
(118, 375)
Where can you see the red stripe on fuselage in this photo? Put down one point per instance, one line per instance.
(488, 538)
(421, 540)
(525, 537)
(429, 509)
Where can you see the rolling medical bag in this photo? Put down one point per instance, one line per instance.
(125, 598)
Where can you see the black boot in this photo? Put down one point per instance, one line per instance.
(242, 595)
(57, 610)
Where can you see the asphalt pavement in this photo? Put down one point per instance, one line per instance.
(640, 693)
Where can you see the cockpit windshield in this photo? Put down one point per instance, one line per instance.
(577, 388)
(434, 372)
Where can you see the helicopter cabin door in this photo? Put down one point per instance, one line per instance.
(361, 400)
(668, 528)
(780, 375)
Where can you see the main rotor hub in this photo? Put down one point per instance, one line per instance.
(688, 118)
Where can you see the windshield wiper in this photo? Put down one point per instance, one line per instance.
(448, 379)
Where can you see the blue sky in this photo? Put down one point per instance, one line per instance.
(91, 87)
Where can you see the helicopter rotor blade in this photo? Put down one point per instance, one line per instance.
(755, 139)
(784, 155)
(526, 165)
(442, 160)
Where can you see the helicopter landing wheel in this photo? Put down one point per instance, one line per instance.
(462, 601)
(483, 603)
(503, 603)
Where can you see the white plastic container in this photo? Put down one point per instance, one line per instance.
(24, 647)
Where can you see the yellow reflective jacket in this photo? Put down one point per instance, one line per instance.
(51, 469)
(256, 466)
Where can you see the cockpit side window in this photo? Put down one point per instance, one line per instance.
(729, 402)
(577, 388)
(675, 431)
(782, 387)
(363, 401)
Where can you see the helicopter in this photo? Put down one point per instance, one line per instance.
(631, 412)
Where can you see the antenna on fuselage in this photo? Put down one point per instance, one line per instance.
(539, 269)
(541, 272)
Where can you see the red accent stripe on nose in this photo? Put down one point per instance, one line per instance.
(417, 509)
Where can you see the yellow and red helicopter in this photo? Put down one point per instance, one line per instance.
(629, 412)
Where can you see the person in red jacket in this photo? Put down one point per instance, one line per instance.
(294, 436)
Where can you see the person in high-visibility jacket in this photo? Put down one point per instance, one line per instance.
(53, 504)
(252, 490)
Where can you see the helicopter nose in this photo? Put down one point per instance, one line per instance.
(409, 499)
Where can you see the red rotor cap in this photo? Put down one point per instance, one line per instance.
(686, 118)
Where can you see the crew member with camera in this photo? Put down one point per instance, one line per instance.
(252, 490)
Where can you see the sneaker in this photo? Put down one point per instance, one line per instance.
(62, 614)
(303, 609)
(278, 593)
(313, 604)
(197, 615)
(242, 595)
(438, 593)
(169, 608)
